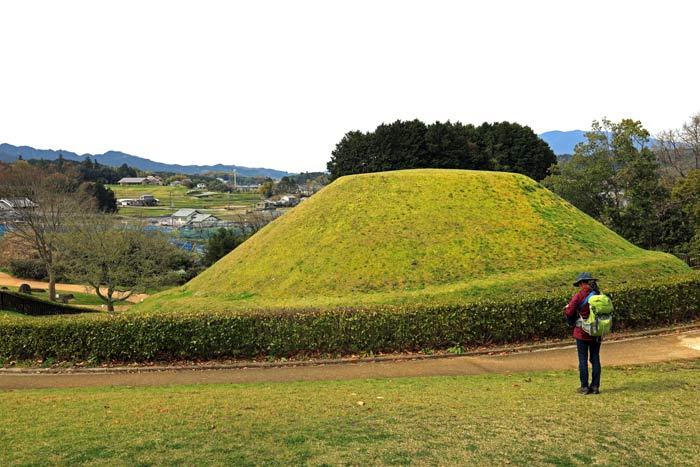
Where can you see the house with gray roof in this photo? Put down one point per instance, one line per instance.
(9, 207)
(203, 220)
(192, 218)
(183, 216)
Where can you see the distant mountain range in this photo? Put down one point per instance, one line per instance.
(563, 142)
(9, 153)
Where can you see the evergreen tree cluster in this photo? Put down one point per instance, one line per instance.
(503, 146)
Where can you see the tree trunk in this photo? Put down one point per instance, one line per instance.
(52, 283)
(110, 302)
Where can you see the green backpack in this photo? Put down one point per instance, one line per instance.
(599, 321)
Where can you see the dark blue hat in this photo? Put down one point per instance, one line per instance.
(584, 276)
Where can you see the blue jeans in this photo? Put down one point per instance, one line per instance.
(588, 350)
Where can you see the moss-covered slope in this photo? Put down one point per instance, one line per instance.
(421, 235)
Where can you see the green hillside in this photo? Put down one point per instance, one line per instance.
(418, 236)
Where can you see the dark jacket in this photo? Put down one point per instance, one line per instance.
(573, 309)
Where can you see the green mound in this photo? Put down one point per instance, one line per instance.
(418, 236)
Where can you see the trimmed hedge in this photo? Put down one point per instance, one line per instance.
(34, 269)
(199, 335)
(28, 305)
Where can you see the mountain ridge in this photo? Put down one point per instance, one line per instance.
(10, 153)
(563, 142)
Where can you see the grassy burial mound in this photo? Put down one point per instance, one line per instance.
(385, 262)
(418, 236)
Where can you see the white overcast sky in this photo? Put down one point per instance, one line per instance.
(278, 83)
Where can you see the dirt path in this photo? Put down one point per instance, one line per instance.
(10, 281)
(652, 349)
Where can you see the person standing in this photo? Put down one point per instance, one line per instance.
(588, 346)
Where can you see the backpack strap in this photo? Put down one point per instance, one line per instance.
(587, 298)
(580, 319)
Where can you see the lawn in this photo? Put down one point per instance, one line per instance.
(81, 299)
(645, 416)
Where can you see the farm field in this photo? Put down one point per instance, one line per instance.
(643, 417)
(174, 198)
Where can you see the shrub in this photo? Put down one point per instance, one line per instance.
(32, 306)
(34, 269)
(202, 335)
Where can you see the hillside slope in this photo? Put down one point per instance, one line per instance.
(422, 235)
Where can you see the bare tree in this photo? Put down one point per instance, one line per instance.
(671, 153)
(690, 135)
(679, 150)
(40, 207)
(115, 259)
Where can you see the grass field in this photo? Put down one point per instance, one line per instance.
(418, 236)
(645, 416)
(180, 199)
(81, 299)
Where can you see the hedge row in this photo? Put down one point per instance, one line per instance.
(134, 337)
(28, 305)
(34, 269)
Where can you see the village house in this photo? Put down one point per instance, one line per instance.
(203, 220)
(10, 206)
(182, 216)
(246, 188)
(143, 200)
(265, 205)
(150, 180)
(132, 181)
(289, 200)
(193, 218)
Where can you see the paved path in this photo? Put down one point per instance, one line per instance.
(685, 345)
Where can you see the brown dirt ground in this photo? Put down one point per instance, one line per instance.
(10, 281)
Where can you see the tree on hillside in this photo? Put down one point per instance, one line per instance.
(267, 188)
(116, 260)
(679, 150)
(510, 147)
(45, 205)
(413, 144)
(85, 171)
(103, 197)
(285, 185)
(220, 244)
(174, 178)
(584, 181)
(452, 146)
(613, 176)
(125, 171)
(686, 194)
(351, 155)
